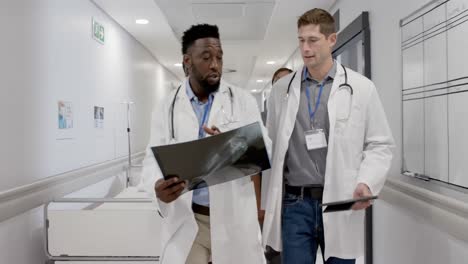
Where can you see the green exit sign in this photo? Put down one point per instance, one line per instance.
(98, 32)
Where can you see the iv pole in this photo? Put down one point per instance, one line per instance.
(129, 145)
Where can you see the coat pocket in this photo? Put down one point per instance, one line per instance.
(349, 115)
(350, 182)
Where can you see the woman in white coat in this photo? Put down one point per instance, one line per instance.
(231, 233)
(357, 156)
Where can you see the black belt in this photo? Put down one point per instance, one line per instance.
(200, 209)
(311, 192)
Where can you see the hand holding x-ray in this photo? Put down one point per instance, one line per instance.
(217, 159)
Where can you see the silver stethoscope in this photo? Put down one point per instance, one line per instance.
(229, 120)
(342, 86)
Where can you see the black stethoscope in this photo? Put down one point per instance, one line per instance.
(230, 120)
(341, 86)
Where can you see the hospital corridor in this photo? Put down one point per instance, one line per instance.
(234, 132)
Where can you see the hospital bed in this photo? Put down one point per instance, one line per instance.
(124, 229)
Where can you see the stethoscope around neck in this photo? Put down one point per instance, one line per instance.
(341, 86)
(230, 120)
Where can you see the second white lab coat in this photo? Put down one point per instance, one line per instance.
(235, 232)
(358, 152)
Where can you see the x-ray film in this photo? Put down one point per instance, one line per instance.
(217, 159)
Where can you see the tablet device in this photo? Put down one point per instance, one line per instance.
(345, 204)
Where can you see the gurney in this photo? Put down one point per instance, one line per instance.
(103, 230)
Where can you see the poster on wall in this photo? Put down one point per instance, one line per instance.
(98, 117)
(65, 115)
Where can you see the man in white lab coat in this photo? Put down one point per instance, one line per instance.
(217, 223)
(331, 142)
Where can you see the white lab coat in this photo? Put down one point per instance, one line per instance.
(358, 151)
(235, 232)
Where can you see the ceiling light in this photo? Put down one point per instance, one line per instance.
(254, 91)
(178, 64)
(259, 81)
(141, 21)
(227, 70)
(271, 62)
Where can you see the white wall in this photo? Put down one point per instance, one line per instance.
(47, 54)
(21, 239)
(400, 235)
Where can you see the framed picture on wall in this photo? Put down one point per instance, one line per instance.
(98, 117)
(65, 115)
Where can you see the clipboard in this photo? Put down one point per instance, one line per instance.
(345, 205)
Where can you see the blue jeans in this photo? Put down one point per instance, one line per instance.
(302, 231)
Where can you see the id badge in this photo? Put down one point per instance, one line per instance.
(315, 139)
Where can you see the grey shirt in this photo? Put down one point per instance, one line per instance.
(307, 167)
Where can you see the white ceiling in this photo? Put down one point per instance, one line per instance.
(252, 31)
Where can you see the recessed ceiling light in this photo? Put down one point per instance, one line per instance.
(141, 21)
(178, 64)
(254, 90)
(259, 81)
(271, 62)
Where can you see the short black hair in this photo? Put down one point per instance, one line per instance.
(198, 32)
(278, 72)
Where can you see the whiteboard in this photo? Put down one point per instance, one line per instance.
(458, 138)
(413, 142)
(435, 91)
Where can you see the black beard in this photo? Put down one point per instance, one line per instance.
(209, 88)
(205, 85)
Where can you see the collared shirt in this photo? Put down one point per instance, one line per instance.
(307, 167)
(200, 196)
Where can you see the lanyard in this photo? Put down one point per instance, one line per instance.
(312, 113)
(201, 132)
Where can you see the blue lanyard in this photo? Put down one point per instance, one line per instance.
(312, 113)
(201, 132)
